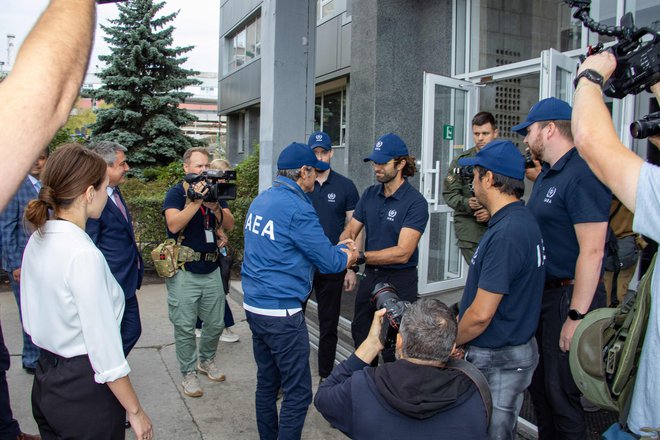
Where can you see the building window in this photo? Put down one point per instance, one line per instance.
(244, 44)
(330, 115)
(325, 8)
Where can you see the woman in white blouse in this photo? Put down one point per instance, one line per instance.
(72, 308)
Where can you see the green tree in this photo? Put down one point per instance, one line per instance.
(143, 82)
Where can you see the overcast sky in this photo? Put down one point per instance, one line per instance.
(197, 24)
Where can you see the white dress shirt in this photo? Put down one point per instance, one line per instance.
(72, 305)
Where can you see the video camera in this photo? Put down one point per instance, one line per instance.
(649, 125)
(220, 185)
(384, 296)
(637, 61)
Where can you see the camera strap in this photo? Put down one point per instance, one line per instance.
(477, 378)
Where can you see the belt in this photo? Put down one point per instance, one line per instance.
(206, 256)
(559, 282)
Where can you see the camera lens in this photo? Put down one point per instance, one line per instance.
(642, 129)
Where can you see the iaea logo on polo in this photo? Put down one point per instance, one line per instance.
(332, 197)
(319, 137)
(551, 192)
(391, 214)
(378, 145)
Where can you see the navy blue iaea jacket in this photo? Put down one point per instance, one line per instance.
(401, 400)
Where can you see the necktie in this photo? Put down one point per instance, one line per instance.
(120, 205)
(37, 186)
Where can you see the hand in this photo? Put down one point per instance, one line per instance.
(222, 237)
(349, 243)
(566, 335)
(474, 204)
(655, 140)
(457, 353)
(482, 215)
(352, 254)
(370, 347)
(17, 275)
(213, 206)
(602, 62)
(533, 173)
(350, 280)
(141, 425)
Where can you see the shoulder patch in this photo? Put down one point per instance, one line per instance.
(450, 178)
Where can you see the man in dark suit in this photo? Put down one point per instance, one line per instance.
(113, 235)
(15, 235)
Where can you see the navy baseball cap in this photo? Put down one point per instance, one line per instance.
(319, 139)
(549, 109)
(500, 157)
(298, 155)
(387, 148)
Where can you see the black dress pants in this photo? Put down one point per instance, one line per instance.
(9, 428)
(68, 404)
(328, 289)
(405, 282)
(555, 395)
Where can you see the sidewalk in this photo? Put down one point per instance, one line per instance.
(226, 411)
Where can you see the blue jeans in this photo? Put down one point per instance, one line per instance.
(509, 372)
(30, 351)
(281, 351)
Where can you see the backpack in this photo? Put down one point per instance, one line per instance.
(606, 347)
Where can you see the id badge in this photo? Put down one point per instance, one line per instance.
(210, 236)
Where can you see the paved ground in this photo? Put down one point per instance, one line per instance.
(226, 411)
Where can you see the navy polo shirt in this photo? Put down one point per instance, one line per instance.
(563, 196)
(331, 200)
(193, 234)
(384, 217)
(509, 261)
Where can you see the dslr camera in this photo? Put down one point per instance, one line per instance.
(649, 125)
(220, 185)
(466, 174)
(384, 296)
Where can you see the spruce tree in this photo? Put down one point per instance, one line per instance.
(143, 84)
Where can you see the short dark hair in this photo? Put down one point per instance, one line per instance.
(410, 169)
(189, 152)
(428, 330)
(505, 184)
(483, 118)
(563, 127)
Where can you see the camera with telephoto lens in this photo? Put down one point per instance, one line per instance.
(384, 296)
(220, 185)
(649, 125)
(637, 55)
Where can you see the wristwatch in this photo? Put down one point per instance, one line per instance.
(575, 315)
(591, 75)
(361, 258)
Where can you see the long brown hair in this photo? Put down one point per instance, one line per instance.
(68, 173)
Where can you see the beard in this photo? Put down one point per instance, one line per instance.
(386, 177)
(537, 148)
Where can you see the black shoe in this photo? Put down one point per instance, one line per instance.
(29, 370)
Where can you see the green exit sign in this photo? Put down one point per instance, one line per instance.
(448, 132)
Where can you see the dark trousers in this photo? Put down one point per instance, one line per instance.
(405, 282)
(30, 351)
(9, 428)
(68, 404)
(555, 395)
(281, 351)
(131, 327)
(328, 289)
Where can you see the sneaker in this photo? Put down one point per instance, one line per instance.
(229, 336)
(211, 370)
(191, 386)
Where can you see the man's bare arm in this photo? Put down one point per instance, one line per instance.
(476, 319)
(597, 141)
(591, 239)
(399, 254)
(38, 94)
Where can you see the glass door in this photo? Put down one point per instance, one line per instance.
(448, 104)
(557, 74)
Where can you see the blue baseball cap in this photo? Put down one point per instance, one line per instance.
(298, 155)
(319, 139)
(549, 109)
(387, 148)
(500, 157)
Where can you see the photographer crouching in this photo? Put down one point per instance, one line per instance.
(413, 397)
(637, 185)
